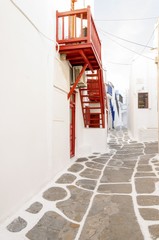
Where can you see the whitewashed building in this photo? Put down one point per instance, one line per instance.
(117, 107)
(142, 107)
(42, 124)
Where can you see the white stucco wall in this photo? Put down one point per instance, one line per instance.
(142, 123)
(34, 109)
(89, 140)
(32, 118)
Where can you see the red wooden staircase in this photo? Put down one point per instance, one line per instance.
(79, 43)
(93, 101)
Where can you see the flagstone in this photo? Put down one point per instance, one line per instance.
(66, 178)
(122, 163)
(94, 165)
(82, 159)
(90, 173)
(111, 217)
(17, 225)
(144, 168)
(76, 168)
(151, 148)
(145, 174)
(35, 207)
(101, 160)
(87, 184)
(54, 194)
(150, 214)
(148, 200)
(154, 230)
(116, 174)
(52, 226)
(145, 185)
(76, 206)
(115, 188)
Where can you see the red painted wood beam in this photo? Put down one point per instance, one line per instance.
(86, 60)
(77, 80)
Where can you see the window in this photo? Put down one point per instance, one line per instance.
(143, 100)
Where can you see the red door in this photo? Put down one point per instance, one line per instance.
(72, 125)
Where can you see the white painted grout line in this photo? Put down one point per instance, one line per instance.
(91, 201)
(32, 219)
(141, 221)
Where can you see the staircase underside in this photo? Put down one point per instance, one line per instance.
(79, 54)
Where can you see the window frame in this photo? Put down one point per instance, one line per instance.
(143, 100)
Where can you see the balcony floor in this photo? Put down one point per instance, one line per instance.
(72, 52)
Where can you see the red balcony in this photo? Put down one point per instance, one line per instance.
(78, 38)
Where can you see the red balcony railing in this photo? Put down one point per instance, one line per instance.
(77, 29)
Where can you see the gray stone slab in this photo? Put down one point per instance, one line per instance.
(52, 226)
(144, 174)
(66, 178)
(154, 161)
(130, 151)
(35, 207)
(143, 162)
(112, 140)
(115, 188)
(76, 168)
(133, 141)
(154, 231)
(116, 162)
(156, 164)
(17, 225)
(146, 157)
(148, 200)
(151, 148)
(127, 156)
(145, 185)
(82, 159)
(87, 184)
(92, 156)
(111, 218)
(134, 145)
(94, 165)
(100, 160)
(122, 163)
(108, 155)
(54, 194)
(116, 174)
(144, 168)
(113, 146)
(150, 214)
(76, 206)
(90, 173)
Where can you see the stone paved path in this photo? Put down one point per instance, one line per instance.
(110, 196)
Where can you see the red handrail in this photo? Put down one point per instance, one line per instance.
(77, 26)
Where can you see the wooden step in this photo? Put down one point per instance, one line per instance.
(96, 96)
(96, 119)
(93, 101)
(92, 75)
(91, 107)
(92, 79)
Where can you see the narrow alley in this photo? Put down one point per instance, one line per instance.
(111, 196)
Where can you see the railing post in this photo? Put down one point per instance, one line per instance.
(89, 24)
(57, 26)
